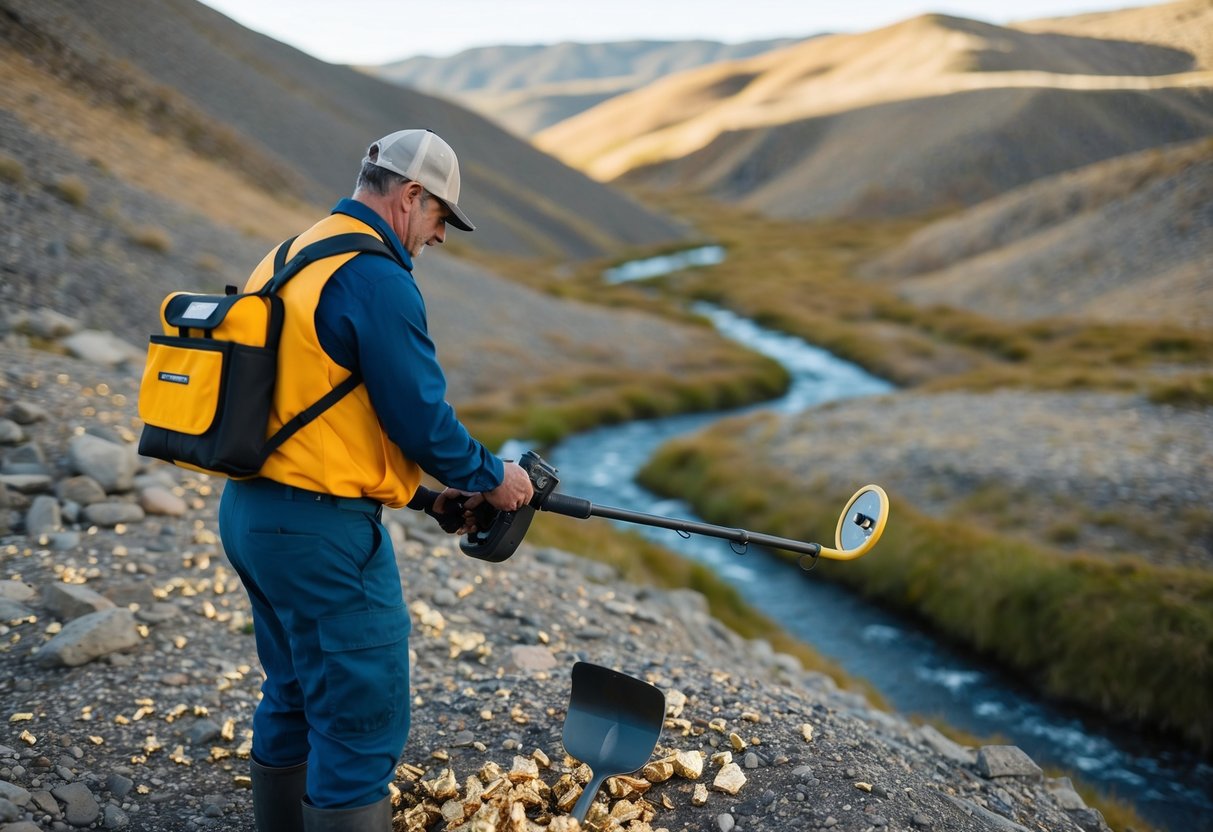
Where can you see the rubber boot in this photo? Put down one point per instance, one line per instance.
(377, 817)
(278, 797)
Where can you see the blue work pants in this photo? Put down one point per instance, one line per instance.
(332, 635)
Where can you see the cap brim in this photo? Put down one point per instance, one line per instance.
(458, 218)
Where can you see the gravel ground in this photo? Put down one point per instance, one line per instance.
(154, 735)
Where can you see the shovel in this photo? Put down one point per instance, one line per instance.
(612, 725)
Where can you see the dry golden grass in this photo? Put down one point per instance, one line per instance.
(133, 154)
(922, 57)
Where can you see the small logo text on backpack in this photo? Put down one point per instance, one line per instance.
(175, 378)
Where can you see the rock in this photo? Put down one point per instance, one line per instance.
(70, 601)
(1006, 761)
(725, 822)
(688, 764)
(23, 826)
(159, 500)
(158, 612)
(8, 811)
(115, 818)
(119, 785)
(26, 413)
(111, 514)
(90, 637)
(729, 779)
(110, 464)
(43, 517)
(80, 808)
(17, 591)
(202, 731)
(27, 483)
(940, 744)
(25, 459)
(530, 658)
(45, 323)
(1063, 790)
(12, 611)
(14, 793)
(80, 489)
(101, 347)
(10, 432)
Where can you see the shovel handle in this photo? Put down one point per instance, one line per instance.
(587, 797)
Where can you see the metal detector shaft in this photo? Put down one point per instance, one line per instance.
(582, 509)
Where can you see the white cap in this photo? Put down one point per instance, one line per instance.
(423, 157)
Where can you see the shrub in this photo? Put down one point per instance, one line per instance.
(12, 170)
(71, 189)
(152, 238)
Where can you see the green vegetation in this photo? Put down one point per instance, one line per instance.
(1126, 638)
(548, 409)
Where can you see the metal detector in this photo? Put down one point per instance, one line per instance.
(500, 533)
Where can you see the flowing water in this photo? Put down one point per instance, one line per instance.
(916, 674)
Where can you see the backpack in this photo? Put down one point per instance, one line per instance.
(208, 385)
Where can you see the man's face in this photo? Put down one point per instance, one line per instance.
(427, 224)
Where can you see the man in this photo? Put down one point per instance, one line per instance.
(305, 536)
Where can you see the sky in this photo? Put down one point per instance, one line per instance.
(366, 32)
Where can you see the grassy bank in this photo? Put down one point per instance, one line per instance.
(550, 408)
(1130, 640)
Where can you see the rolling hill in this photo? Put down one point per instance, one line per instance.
(1121, 240)
(528, 88)
(930, 113)
(298, 125)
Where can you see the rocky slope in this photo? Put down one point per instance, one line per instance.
(128, 674)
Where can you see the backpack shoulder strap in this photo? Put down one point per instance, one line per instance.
(285, 269)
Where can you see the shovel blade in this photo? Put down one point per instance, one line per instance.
(613, 722)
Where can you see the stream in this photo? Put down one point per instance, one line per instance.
(918, 675)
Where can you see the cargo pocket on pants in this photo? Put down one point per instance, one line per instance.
(366, 665)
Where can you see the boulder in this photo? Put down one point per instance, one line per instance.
(1006, 761)
(43, 517)
(90, 637)
(80, 489)
(70, 601)
(101, 348)
(111, 514)
(110, 464)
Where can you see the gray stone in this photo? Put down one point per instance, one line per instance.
(110, 464)
(14, 793)
(46, 802)
(531, 658)
(27, 483)
(119, 785)
(90, 637)
(43, 517)
(202, 731)
(115, 818)
(725, 822)
(1006, 761)
(101, 347)
(12, 611)
(158, 612)
(80, 489)
(46, 323)
(1067, 798)
(26, 413)
(17, 591)
(111, 514)
(80, 807)
(8, 811)
(25, 459)
(943, 746)
(22, 826)
(10, 432)
(70, 601)
(160, 500)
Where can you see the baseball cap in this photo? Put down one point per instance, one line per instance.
(422, 156)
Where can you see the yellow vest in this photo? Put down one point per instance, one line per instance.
(344, 451)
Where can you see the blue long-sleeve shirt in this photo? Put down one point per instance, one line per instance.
(371, 317)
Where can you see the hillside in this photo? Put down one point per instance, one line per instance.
(922, 115)
(1185, 24)
(298, 126)
(129, 674)
(1126, 239)
(528, 88)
